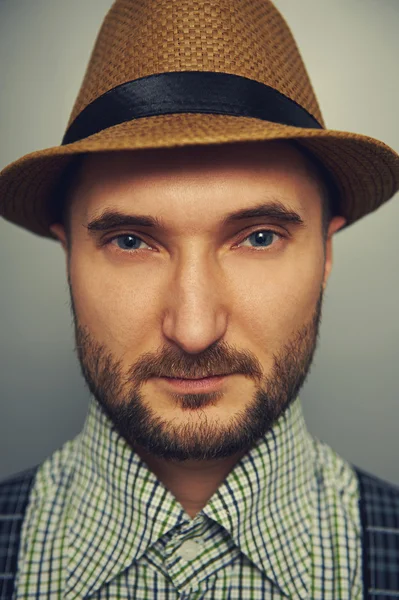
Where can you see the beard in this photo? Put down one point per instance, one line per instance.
(118, 391)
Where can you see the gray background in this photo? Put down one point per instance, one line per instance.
(350, 400)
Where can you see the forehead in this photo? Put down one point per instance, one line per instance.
(201, 181)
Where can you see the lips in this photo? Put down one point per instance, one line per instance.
(205, 383)
(197, 378)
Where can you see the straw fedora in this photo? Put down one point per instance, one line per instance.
(167, 73)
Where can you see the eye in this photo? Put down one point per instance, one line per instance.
(127, 241)
(263, 237)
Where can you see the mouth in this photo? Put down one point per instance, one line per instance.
(197, 378)
(204, 383)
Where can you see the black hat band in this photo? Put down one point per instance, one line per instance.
(188, 92)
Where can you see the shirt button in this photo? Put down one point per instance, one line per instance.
(189, 550)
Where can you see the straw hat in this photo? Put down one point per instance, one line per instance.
(169, 73)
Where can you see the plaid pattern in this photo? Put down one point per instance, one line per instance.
(379, 509)
(379, 503)
(14, 496)
(284, 523)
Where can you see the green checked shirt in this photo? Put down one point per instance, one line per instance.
(283, 524)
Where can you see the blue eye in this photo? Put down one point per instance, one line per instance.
(127, 241)
(263, 236)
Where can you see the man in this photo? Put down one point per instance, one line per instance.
(196, 267)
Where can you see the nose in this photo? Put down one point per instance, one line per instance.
(196, 311)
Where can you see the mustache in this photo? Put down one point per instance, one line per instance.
(218, 359)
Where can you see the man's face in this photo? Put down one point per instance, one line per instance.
(199, 297)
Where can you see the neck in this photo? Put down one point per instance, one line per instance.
(192, 482)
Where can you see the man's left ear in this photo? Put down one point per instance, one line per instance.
(59, 231)
(335, 224)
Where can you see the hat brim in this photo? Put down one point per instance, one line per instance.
(365, 170)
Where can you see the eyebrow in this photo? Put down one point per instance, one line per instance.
(274, 210)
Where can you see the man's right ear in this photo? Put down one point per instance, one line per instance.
(59, 231)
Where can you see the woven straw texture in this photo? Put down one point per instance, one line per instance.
(242, 37)
(245, 37)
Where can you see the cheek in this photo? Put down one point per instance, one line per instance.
(275, 300)
(300, 293)
(116, 308)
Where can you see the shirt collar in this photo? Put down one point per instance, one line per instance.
(118, 507)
